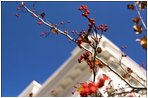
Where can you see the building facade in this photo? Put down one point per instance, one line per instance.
(62, 81)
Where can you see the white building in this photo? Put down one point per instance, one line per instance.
(71, 72)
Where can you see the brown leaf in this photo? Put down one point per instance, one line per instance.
(129, 70)
(125, 75)
(143, 42)
(136, 20)
(130, 6)
(138, 29)
(98, 62)
(55, 31)
(143, 5)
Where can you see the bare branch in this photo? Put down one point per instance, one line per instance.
(140, 16)
(49, 25)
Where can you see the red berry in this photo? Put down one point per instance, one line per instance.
(83, 94)
(100, 83)
(40, 22)
(105, 77)
(99, 50)
(91, 20)
(17, 15)
(80, 8)
(93, 89)
(84, 85)
(86, 90)
(85, 14)
(103, 27)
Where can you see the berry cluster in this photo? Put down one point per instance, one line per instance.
(84, 56)
(85, 10)
(103, 27)
(83, 37)
(89, 88)
(19, 8)
(91, 22)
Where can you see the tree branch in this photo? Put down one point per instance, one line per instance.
(49, 25)
(140, 16)
(83, 47)
(134, 87)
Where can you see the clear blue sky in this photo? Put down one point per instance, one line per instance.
(26, 56)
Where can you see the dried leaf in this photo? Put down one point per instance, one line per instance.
(136, 20)
(125, 76)
(101, 65)
(55, 31)
(143, 5)
(130, 6)
(143, 42)
(138, 29)
(129, 70)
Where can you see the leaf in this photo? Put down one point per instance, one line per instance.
(129, 70)
(55, 31)
(101, 65)
(143, 5)
(130, 6)
(138, 29)
(125, 75)
(136, 20)
(143, 42)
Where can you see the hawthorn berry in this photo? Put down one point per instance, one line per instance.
(85, 10)
(40, 22)
(103, 27)
(83, 7)
(99, 50)
(100, 83)
(17, 15)
(91, 20)
(105, 77)
(79, 42)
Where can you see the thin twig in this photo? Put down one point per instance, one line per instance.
(135, 87)
(49, 25)
(120, 64)
(125, 92)
(140, 16)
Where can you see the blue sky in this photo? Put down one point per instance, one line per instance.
(26, 56)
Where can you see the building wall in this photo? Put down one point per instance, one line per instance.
(62, 81)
